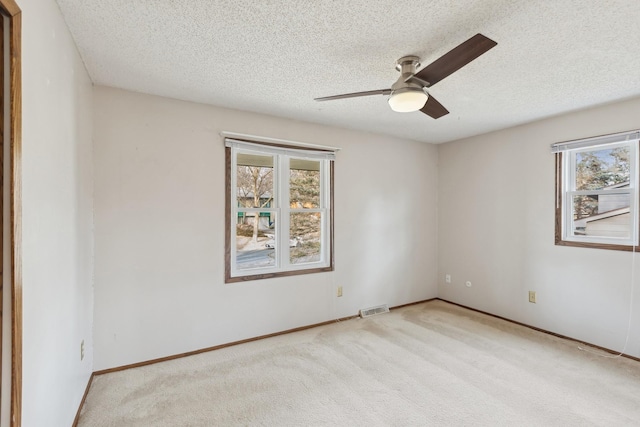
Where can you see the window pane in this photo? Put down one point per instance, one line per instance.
(604, 215)
(604, 168)
(304, 237)
(254, 180)
(255, 240)
(304, 184)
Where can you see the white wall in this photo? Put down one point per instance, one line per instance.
(57, 218)
(159, 229)
(496, 229)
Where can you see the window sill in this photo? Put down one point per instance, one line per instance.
(247, 278)
(607, 246)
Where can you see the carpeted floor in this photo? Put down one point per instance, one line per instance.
(431, 364)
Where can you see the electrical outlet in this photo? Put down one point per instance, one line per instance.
(339, 293)
(532, 297)
(447, 278)
(81, 350)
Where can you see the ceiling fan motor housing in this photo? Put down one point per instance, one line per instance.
(407, 65)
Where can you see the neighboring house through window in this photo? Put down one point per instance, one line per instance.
(597, 192)
(279, 210)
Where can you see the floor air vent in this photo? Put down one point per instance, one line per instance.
(372, 311)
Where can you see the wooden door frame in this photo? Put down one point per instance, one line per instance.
(3, 248)
(10, 9)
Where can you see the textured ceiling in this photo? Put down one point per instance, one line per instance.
(275, 56)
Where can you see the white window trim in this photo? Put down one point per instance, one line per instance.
(595, 141)
(263, 140)
(281, 207)
(303, 152)
(570, 150)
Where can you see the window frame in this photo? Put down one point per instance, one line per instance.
(566, 153)
(282, 153)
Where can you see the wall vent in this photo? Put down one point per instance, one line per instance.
(372, 311)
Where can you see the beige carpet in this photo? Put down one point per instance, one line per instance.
(432, 364)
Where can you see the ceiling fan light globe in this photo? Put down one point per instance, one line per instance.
(407, 100)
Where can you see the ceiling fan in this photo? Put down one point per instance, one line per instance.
(409, 92)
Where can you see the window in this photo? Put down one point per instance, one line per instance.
(279, 205)
(597, 192)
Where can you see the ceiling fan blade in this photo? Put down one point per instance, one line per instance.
(355, 95)
(455, 59)
(434, 109)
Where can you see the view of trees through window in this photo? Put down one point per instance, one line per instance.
(304, 227)
(604, 169)
(256, 226)
(254, 179)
